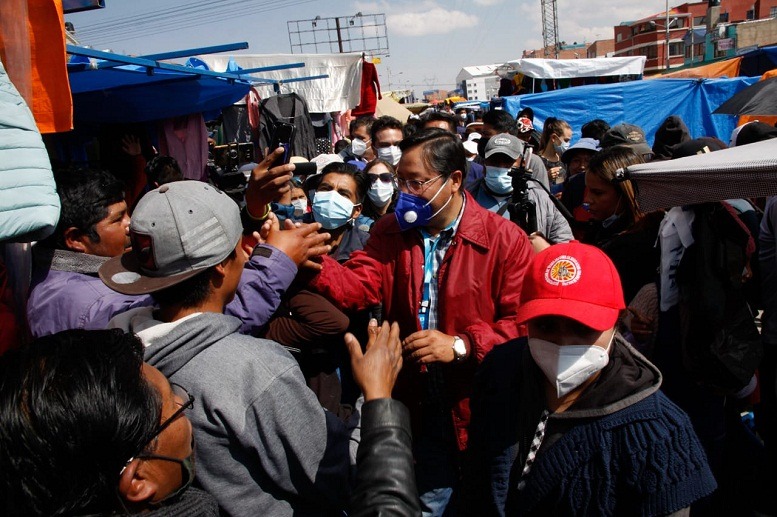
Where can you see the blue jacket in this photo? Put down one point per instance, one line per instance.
(67, 294)
(29, 206)
(633, 452)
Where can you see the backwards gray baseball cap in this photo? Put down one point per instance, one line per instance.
(177, 230)
(504, 143)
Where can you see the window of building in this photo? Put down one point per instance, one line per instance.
(699, 20)
(750, 14)
(773, 12)
(676, 49)
(619, 37)
(723, 18)
(651, 52)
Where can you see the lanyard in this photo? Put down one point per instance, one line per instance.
(430, 248)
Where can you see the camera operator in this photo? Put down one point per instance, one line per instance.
(494, 192)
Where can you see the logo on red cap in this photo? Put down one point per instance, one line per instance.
(564, 270)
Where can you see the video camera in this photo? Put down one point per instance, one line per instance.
(522, 209)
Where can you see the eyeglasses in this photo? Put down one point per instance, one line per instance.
(385, 177)
(180, 393)
(415, 186)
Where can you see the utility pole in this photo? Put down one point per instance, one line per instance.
(666, 47)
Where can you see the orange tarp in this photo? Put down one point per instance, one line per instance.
(727, 68)
(32, 48)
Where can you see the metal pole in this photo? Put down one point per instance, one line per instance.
(693, 58)
(666, 48)
(340, 37)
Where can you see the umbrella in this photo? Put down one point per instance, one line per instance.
(739, 172)
(758, 99)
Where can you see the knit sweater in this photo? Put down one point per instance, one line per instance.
(635, 455)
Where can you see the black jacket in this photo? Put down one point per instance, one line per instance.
(385, 480)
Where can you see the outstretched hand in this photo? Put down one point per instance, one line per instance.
(300, 242)
(376, 370)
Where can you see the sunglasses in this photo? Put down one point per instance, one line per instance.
(385, 177)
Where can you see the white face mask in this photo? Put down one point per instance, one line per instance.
(380, 193)
(300, 206)
(358, 146)
(390, 154)
(567, 367)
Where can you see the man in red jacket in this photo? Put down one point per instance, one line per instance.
(450, 272)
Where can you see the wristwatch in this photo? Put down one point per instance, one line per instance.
(459, 349)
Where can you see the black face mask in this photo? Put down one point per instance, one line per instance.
(482, 143)
(187, 474)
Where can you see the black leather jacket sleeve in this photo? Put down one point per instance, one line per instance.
(385, 480)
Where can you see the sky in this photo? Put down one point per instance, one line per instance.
(429, 40)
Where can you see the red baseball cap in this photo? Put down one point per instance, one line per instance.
(573, 280)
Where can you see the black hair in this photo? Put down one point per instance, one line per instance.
(163, 169)
(85, 195)
(381, 123)
(595, 129)
(74, 408)
(526, 112)
(359, 177)
(340, 145)
(442, 151)
(501, 121)
(444, 116)
(360, 122)
(412, 127)
(190, 293)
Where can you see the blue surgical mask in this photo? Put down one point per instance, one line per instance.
(412, 211)
(300, 206)
(561, 148)
(498, 180)
(331, 209)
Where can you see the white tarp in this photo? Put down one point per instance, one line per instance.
(341, 91)
(571, 68)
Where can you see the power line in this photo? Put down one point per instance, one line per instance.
(145, 21)
(153, 26)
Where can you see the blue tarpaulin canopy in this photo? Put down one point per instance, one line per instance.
(107, 91)
(128, 94)
(644, 103)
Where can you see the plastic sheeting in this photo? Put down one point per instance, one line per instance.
(341, 91)
(572, 68)
(727, 68)
(644, 103)
(746, 171)
(128, 94)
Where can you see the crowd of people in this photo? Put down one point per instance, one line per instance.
(451, 315)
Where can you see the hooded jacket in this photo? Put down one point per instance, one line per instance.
(264, 445)
(621, 449)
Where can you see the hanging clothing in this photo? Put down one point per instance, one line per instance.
(291, 108)
(32, 44)
(370, 91)
(186, 139)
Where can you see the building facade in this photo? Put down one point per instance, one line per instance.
(695, 33)
(478, 83)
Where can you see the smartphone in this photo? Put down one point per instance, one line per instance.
(283, 137)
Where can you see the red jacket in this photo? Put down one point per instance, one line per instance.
(480, 283)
